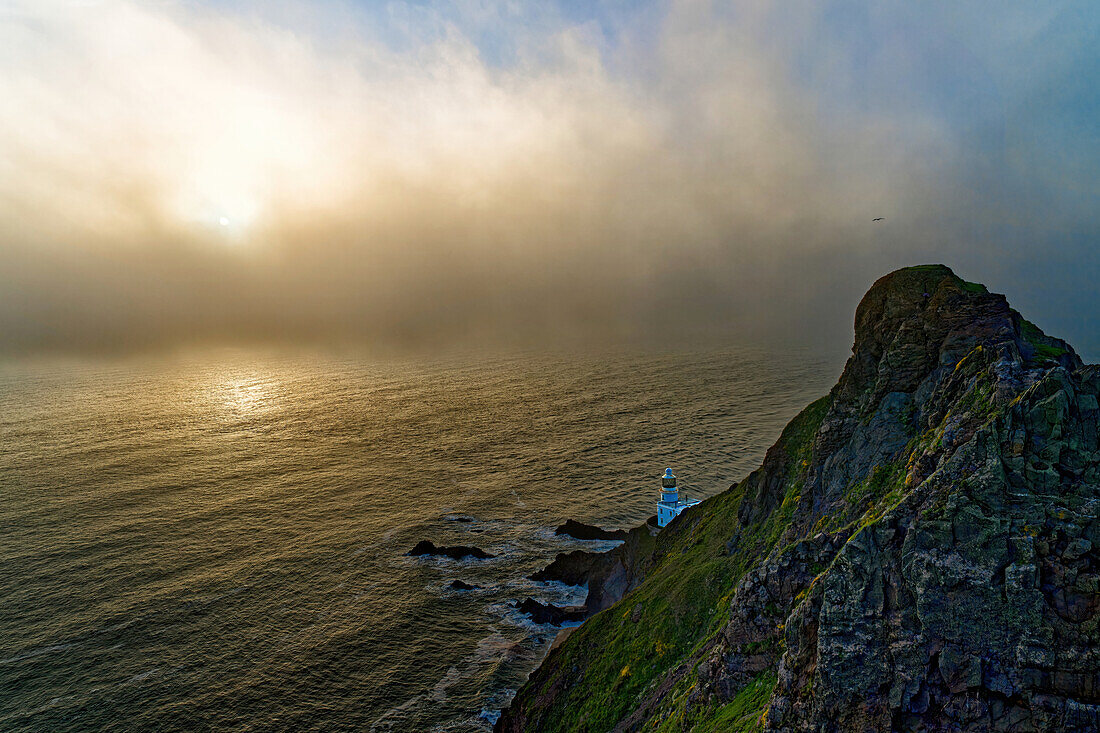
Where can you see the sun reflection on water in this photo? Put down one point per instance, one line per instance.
(241, 395)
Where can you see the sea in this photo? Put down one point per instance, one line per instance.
(216, 540)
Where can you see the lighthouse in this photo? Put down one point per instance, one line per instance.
(670, 505)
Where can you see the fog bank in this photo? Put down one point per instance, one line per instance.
(420, 174)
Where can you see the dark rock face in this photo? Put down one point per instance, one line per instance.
(974, 603)
(934, 614)
(548, 613)
(928, 559)
(571, 568)
(609, 574)
(426, 547)
(460, 585)
(582, 531)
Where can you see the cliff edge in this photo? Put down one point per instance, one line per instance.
(918, 551)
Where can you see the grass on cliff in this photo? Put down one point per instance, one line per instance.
(744, 713)
(1040, 341)
(611, 661)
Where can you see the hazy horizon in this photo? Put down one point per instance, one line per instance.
(426, 174)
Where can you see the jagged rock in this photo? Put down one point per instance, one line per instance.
(460, 585)
(571, 568)
(582, 531)
(427, 547)
(548, 613)
(917, 552)
(609, 575)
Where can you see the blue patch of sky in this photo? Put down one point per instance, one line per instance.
(503, 32)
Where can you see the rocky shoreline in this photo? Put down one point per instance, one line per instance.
(548, 613)
(602, 572)
(608, 575)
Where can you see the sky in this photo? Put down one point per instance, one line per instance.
(422, 174)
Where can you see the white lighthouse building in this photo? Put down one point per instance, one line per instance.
(670, 505)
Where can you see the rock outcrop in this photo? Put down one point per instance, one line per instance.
(548, 613)
(608, 574)
(582, 531)
(918, 551)
(427, 547)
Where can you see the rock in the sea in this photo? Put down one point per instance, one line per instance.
(427, 547)
(582, 531)
(548, 613)
(460, 585)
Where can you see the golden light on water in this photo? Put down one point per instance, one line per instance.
(245, 395)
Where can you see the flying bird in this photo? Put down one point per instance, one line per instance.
(879, 219)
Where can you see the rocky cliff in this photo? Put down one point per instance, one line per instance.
(918, 551)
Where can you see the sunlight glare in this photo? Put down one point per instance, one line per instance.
(243, 395)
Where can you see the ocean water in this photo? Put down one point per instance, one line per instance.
(217, 541)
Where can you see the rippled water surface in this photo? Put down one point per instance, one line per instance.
(218, 542)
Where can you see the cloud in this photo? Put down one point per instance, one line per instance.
(413, 173)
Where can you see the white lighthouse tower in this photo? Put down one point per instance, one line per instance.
(670, 505)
